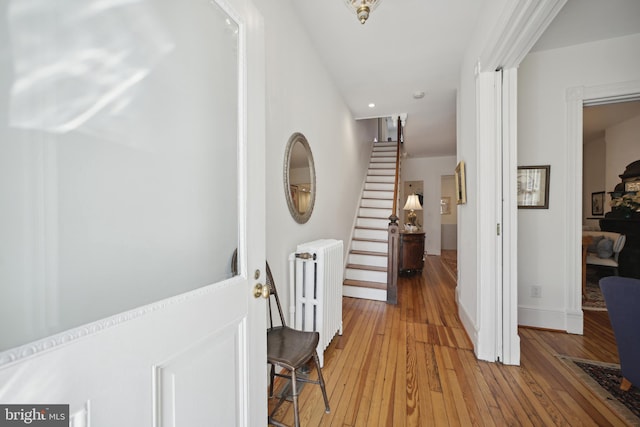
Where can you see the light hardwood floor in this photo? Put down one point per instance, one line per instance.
(413, 365)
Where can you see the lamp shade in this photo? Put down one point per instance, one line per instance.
(413, 203)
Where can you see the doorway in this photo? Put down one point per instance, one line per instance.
(609, 144)
(581, 97)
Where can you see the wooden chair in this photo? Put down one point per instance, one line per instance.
(290, 349)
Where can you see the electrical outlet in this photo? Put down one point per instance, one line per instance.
(536, 291)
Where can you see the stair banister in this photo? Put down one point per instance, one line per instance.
(394, 237)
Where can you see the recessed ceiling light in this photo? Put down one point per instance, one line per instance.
(418, 95)
(371, 105)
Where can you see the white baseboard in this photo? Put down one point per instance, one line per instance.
(550, 319)
(575, 322)
(468, 324)
(364, 293)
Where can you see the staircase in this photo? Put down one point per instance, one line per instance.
(366, 272)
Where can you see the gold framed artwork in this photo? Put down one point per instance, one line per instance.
(461, 188)
(533, 187)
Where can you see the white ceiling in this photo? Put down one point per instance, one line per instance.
(408, 46)
(597, 118)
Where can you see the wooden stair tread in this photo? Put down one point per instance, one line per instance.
(372, 253)
(360, 227)
(365, 284)
(367, 267)
(360, 239)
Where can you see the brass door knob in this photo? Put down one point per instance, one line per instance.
(261, 290)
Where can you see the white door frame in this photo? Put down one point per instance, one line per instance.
(576, 98)
(518, 28)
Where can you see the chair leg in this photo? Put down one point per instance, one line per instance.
(321, 380)
(271, 378)
(294, 391)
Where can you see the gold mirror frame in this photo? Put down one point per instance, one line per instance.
(289, 190)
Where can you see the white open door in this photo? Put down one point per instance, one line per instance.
(131, 167)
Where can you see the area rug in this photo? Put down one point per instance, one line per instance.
(594, 299)
(604, 380)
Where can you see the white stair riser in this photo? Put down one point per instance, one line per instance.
(364, 293)
(372, 260)
(387, 172)
(376, 194)
(366, 275)
(363, 245)
(384, 144)
(379, 186)
(375, 203)
(374, 213)
(385, 165)
(383, 159)
(366, 233)
(372, 222)
(381, 179)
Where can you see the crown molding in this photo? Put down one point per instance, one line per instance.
(517, 30)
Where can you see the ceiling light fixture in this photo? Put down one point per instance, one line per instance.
(372, 105)
(362, 8)
(418, 95)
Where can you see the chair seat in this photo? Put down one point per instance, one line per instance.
(594, 260)
(289, 347)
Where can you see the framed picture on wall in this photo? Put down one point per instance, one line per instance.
(461, 189)
(597, 203)
(533, 187)
(445, 206)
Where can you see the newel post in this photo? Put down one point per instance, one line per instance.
(392, 260)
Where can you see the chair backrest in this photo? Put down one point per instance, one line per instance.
(622, 296)
(273, 292)
(618, 240)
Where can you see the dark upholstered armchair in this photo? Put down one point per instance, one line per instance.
(622, 296)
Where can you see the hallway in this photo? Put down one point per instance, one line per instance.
(413, 364)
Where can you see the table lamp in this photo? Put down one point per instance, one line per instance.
(412, 205)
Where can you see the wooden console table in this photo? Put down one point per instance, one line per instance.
(411, 252)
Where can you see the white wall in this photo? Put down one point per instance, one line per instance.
(468, 290)
(430, 170)
(623, 147)
(301, 97)
(544, 78)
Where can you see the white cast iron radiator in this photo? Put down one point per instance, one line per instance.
(315, 281)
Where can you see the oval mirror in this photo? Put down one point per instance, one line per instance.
(299, 178)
